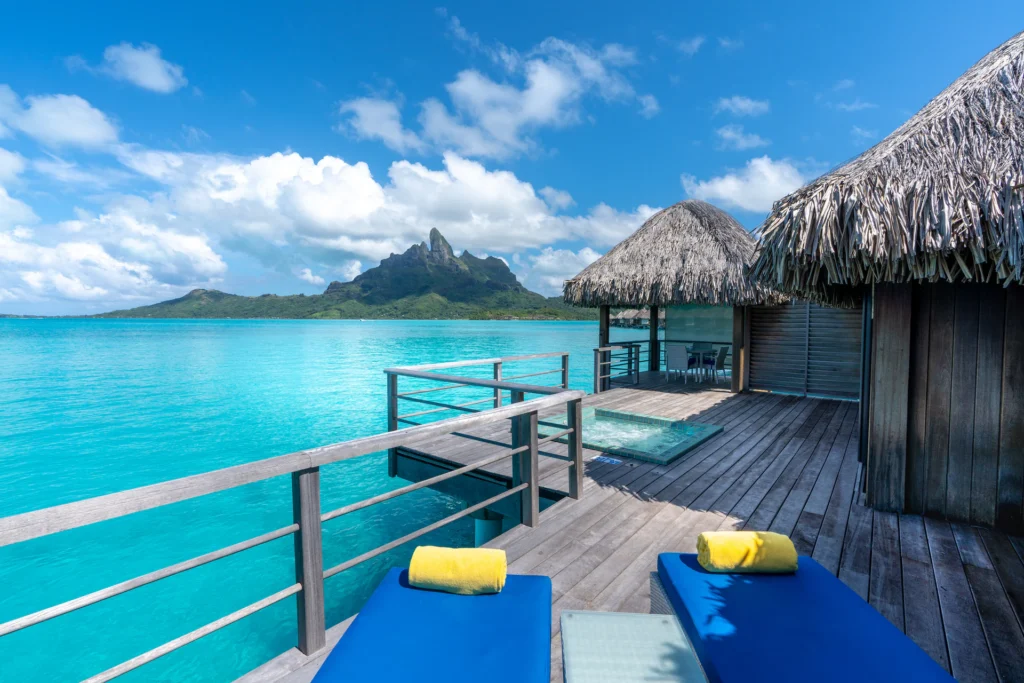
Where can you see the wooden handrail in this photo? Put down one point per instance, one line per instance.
(470, 363)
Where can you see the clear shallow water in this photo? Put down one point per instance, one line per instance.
(89, 407)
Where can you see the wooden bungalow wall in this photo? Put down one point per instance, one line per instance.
(947, 403)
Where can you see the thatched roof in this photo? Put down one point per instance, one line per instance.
(691, 252)
(939, 199)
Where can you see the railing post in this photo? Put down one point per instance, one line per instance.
(574, 420)
(309, 560)
(597, 371)
(525, 464)
(565, 371)
(636, 365)
(497, 390)
(392, 421)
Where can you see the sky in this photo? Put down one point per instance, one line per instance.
(149, 150)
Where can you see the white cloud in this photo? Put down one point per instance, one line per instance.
(497, 53)
(11, 165)
(844, 84)
(690, 46)
(70, 173)
(550, 268)
(13, 211)
(247, 98)
(741, 105)
(556, 199)
(194, 135)
(730, 43)
(862, 134)
(307, 275)
(374, 118)
(121, 260)
(649, 106)
(754, 188)
(350, 270)
(57, 120)
(733, 136)
(498, 119)
(142, 66)
(856, 105)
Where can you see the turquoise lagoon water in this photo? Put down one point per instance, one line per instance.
(89, 407)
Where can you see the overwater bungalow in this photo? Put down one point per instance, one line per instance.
(596, 502)
(926, 228)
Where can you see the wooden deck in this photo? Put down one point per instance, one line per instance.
(783, 464)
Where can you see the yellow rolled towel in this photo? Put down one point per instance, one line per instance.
(751, 552)
(465, 571)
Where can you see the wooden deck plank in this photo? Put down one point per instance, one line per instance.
(885, 589)
(1002, 630)
(969, 656)
(920, 597)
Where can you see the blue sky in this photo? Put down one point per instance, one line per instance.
(145, 151)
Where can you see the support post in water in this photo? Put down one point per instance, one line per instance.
(392, 422)
(309, 560)
(597, 371)
(497, 390)
(565, 371)
(574, 420)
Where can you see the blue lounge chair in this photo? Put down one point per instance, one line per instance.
(807, 626)
(410, 634)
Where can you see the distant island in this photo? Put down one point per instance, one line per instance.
(426, 282)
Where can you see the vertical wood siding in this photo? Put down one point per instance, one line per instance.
(964, 421)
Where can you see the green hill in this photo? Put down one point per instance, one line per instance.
(426, 282)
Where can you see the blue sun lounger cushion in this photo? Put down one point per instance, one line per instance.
(410, 634)
(802, 627)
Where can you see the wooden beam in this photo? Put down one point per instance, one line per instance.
(739, 349)
(889, 394)
(653, 354)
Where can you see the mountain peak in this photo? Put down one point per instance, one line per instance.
(440, 250)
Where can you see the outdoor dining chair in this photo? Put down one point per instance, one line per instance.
(717, 363)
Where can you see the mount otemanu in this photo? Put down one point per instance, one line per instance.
(426, 282)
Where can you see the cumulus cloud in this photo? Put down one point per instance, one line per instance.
(741, 105)
(338, 211)
(499, 119)
(350, 270)
(11, 165)
(13, 211)
(733, 136)
(730, 44)
(550, 268)
(118, 259)
(372, 118)
(753, 188)
(307, 275)
(843, 84)
(142, 66)
(56, 120)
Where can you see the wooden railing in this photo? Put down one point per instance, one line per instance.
(623, 357)
(304, 469)
(498, 385)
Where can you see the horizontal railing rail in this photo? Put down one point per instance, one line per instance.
(306, 529)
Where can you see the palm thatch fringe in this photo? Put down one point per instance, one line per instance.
(691, 252)
(941, 198)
